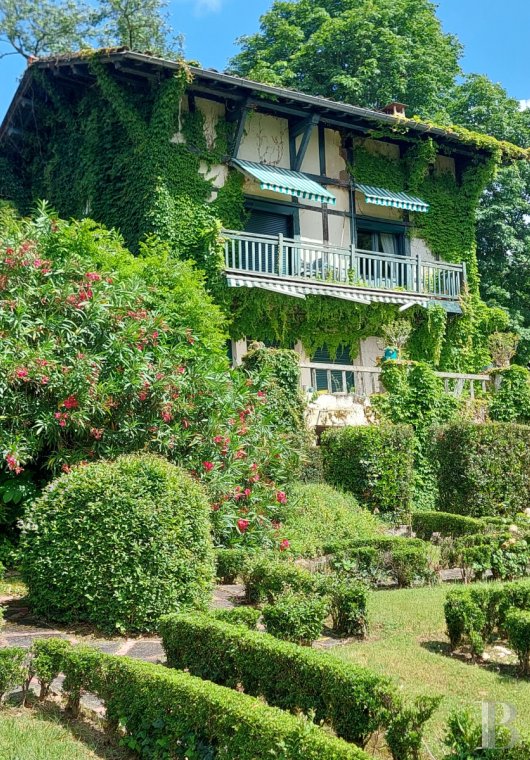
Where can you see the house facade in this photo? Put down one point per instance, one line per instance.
(348, 218)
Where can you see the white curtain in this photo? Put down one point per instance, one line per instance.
(388, 243)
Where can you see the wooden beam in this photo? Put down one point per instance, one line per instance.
(307, 130)
(240, 115)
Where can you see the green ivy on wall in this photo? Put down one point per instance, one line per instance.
(135, 160)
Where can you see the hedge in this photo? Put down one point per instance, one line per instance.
(157, 707)
(268, 579)
(517, 625)
(391, 559)
(424, 524)
(117, 544)
(374, 462)
(231, 564)
(483, 469)
(475, 613)
(296, 617)
(505, 555)
(353, 700)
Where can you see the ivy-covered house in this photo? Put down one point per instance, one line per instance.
(335, 219)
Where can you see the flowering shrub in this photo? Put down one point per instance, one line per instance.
(104, 353)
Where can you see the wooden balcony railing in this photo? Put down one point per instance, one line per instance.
(363, 382)
(287, 258)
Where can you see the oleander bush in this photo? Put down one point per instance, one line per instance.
(476, 614)
(157, 708)
(483, 469)
(317, 514)
(117, 544)
(424, 524)
(353, 700)
(296, 617)
(374, 462)
(247, 616)
(517, 624)
(269, 578)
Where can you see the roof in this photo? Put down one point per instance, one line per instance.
(135, 66)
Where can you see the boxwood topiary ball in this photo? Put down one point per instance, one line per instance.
(118, 544)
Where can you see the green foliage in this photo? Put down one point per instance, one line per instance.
(386, 559)
(352, 699)
(465, 738)
(13, 669)
(47, 661)
(311, 466)
(511, 400)
(475, 614)
(231, 564)
(425, 523)
(316, 515)
(405, 735)
(483, 469)
(517, 624)
(296, 617)
(375, 463)
(267, 579)
(348, 606)
(116, 544)
(247, 616)
(505, 556)
(394, 51)
(156, 708)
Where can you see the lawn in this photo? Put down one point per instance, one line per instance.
(42, 734)
(12, 585)
(407, 641)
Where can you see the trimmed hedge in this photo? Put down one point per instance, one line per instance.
(231, 564)
(158, 707)
(483, 469)
(424, 524)
(374, 462)
(390, 559)
(317, 514)
(118, 544)
(268, 579)
(353, 700)
(517, 625)
(13, 670)
(247, 616)
(506, 556)
(474, 614)
(296, 617)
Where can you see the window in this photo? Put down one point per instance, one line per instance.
(380, 241)
(336, 381)
(383, 240)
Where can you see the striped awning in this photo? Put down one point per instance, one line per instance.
(285, 181)
(303, 289)
(381, 197)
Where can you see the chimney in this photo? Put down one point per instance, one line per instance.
(395, 109)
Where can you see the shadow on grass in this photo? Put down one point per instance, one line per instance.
(103, 743)
(503, 669)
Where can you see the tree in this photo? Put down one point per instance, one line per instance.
(503, 219)
(34, 28)
(359, 51)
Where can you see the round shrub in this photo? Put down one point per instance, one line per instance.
(118, 544)
(518, 627)
(317, 515)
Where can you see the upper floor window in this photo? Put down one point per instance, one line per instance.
(381, 241)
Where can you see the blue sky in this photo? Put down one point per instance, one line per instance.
(495, 35)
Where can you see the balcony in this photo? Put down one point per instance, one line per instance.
(301, 268)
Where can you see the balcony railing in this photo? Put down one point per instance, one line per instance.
(364, 382)
(286, 258)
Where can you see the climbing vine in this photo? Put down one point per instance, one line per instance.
(155, 159)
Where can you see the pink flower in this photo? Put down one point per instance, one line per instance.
(61, 417)
(44, 380)
(284, 545)
(281, 497)
(261, 394)
(93, 276)
(240, 454)
(70, 403)
(208, 466)
(22, 373)
(247, 492)
(142, 396)
(96, 433)
(13, 465)
(242, 525)
(215, 507)
(181, 370)
(166, 415)
(66, 468)
(219, 439)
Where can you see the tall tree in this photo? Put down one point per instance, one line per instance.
(503, 219)
(34, 28)
(365, 52)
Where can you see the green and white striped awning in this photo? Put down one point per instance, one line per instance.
(285, 181)
(381, 197)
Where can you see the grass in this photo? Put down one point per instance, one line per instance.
(12, 585)
(407, 641)
(43, 733)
